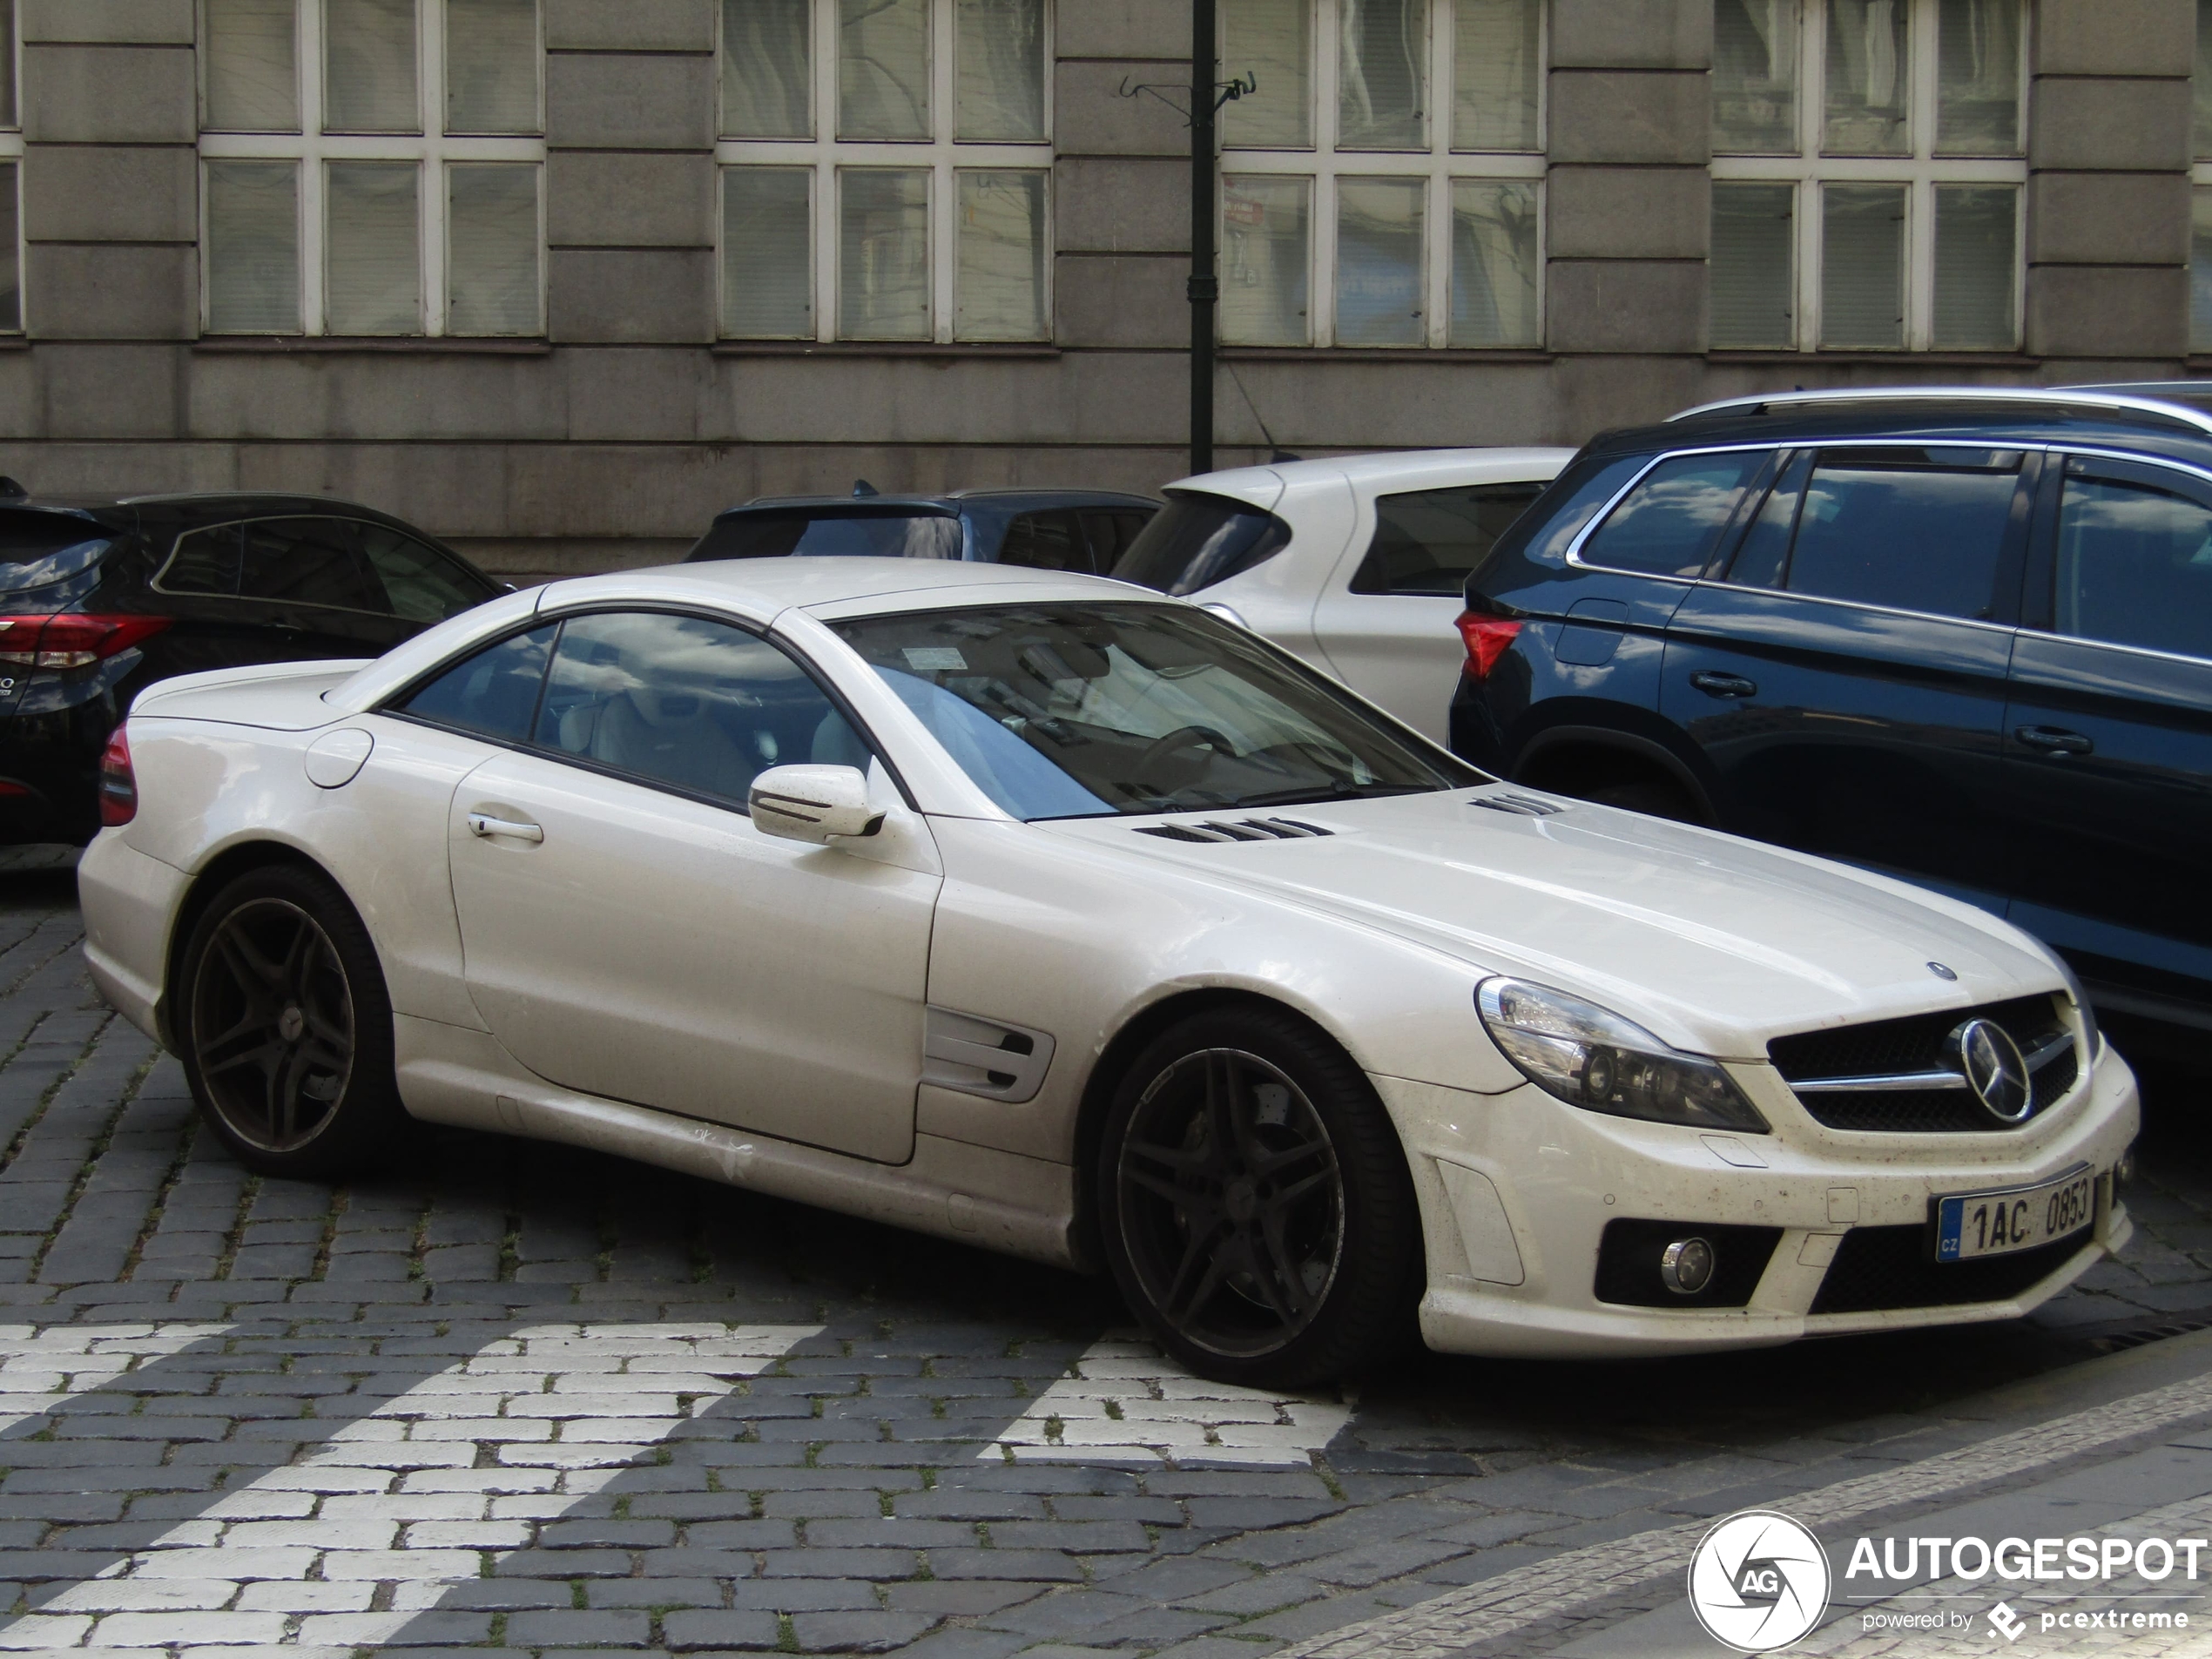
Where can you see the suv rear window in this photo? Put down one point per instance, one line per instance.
(1671, 521)
(770, 533)
(1195, 541)
(39, 548)
(1429, 541)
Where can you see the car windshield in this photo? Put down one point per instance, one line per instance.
(1084, 710)
(1195, 541)
(768, 533)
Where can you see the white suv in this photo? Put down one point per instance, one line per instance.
(1357, 563)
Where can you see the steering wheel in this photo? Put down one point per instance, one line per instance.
(1184, 736)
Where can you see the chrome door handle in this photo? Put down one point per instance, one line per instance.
(2054, 740)
(1723, 684)
(483, 826)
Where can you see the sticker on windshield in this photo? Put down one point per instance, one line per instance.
(935, 659)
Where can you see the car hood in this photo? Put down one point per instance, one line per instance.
(1714, 943)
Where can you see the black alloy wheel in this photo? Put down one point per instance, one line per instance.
(286, 1029)
(1255, 1204)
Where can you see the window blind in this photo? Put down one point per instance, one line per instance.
(767, 68)
(1496, 272)
(1754, 266)
(9, 115)
(883, 246)
(998, 57)
(2201, 269)
(767, 253)
(253, 247)
(1862, 266)
(1497, 63)
(1382, 75)
(1379, 263)
(369, 82)
(492, 59)
(1755, 77)
(10, 242)
(1974, 238)
(1271, 41)
(2201, 84)
(999, 290)
(492, 281)
(253, 74)
(373, 246)
(883, 68)
(1264, 260)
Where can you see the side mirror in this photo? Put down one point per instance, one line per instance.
(812, 804)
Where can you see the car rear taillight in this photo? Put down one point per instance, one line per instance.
(1487, 638)
(72, 639)
(118, 784)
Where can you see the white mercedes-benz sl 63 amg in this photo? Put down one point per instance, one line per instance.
(1052, 915)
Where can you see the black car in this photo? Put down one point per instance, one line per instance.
(1963, 636)
(1083, 531)
(100, 599)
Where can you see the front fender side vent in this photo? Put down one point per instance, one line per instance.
(1249, 829)
(985, 1057)
(1519, 806)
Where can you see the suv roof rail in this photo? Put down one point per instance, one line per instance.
(2079, 397)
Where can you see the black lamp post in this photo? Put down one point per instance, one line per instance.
(1205, 284)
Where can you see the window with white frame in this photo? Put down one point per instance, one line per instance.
(2200, 192)
(1868, 161)
(10, 177)
(1382, 186)
(886, 169)
(373, 167)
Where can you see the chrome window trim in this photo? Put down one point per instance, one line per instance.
(1574, 559)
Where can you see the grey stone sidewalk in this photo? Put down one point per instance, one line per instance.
(523, 1397)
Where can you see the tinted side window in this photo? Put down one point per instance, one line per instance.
(495, 692)
(1195, 541)
(698, 705)
(1046, 542)
(1671, 522)
(308, 562)
(2134, 567)
(1430, 542)
(420, 582)
(204, 562)
(1908, 531)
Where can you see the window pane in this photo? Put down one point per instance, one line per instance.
(694, 704)
(10, 242)
(252, 66)
(1046, 542)
(374, 246)
(493, 692)
(1911, 537)
(253, 247)
(999, 292)
(883, 252)
(492, 60)
(1263, 262)
(2134, 567)
(1754, 266)
(1382, 75)
(1669, 522)
(1494, 268)
(1974, 267)
(1197, 540)
(1977, 79)
(2200, 271)
(768, 69)
(1869, 79)
(308, 562)
(1862, 266)
(1271, 41)
(2201, 83)
(369, 65)
(1379, 263)
(1497, 70)
(10, 115)
(492, 284)
(846, 532)
(768, 253)
(883, 68)
(1430, 542)
(421, 584)
(999, 51)
(1755, 77)
(204, 562)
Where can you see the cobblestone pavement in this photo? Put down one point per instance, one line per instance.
(532, 1397)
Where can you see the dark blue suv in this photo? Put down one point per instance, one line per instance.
(1962, 636)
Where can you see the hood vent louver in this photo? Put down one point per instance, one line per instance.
(1519, 806)
(1249, 829)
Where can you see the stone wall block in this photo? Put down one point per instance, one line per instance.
(2108, 219)
(2109, 124)
(372, 396)
(610, 296)
(1626, 306)
(1093, 119)
(1124, 28)
(1132, 206)
(1638, 117)
(109, 291)
(2108, 310)
(106, 392)
(624, 199)
(630, 25)
(1632, 34)
(1629, 212)
(630, 101)
(110, 193)
(1105, 300)
(2114, 37)
(110, 94)
(153, 22)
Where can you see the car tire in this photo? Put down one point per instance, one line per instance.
(284, 1025)
(1254, 1203)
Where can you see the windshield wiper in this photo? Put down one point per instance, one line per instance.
(1313, 794)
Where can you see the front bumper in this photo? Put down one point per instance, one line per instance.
(1516, 1189)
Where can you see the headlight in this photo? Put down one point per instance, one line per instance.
(1598, 1061)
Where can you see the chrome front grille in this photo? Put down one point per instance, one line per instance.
(1902, 1077)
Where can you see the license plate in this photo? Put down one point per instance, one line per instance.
(1973, 1225)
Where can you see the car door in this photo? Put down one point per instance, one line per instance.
(2108, 731)
(1846, 680)
(305, 578)
(627, 933)
(1384, 617)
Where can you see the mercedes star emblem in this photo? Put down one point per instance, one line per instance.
(1995, 1070)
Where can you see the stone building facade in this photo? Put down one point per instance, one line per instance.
(587, 392)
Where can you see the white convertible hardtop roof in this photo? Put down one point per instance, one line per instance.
(1382, 471)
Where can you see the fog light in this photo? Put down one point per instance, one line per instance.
(1686, 1266)
(2123, 1173)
